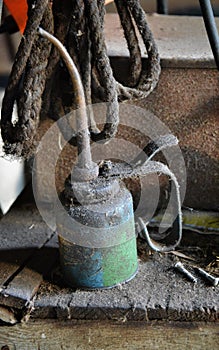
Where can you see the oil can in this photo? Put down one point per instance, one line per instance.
(98, 245)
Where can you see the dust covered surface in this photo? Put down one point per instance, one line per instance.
(158, 292)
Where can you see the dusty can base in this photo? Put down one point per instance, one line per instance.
(97, 288)
(96, 268)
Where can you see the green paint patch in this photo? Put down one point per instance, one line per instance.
(119, 262)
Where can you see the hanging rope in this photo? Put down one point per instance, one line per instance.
(102, 65)
(148, 79)
(132, 42)
(29, 66)
(37, 82)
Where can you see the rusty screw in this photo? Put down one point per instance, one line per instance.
(179, 266)
(213, 280)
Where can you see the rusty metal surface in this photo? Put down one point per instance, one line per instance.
(187, 101)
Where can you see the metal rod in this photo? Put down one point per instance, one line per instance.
(213, 280)
(1, 6)
(162, 7)
(83, 135)
(179, 266)
(211, 28)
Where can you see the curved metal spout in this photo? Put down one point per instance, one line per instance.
(86, 169)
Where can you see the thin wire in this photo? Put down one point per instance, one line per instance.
(83, 139)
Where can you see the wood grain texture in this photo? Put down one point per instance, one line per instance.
(27, 253)
(157, 292)
(10, 263)
(25, 284)
(46, 335)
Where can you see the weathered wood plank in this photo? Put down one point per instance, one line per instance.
(80, 335)
(11, 261)
(52, 301)
(27, 253)
(157, 292)
(7, 316)
(22, 231)
(194, 303)
(26, 283)
(23, 228)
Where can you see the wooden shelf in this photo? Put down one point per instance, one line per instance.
(31, 284)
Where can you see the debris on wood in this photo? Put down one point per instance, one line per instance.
(7, 316)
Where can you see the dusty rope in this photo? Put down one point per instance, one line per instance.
(149, 79)
(80, 49)
(52, 103)
(132, 42)
(102, 64)
(33, 53)
(79, 24)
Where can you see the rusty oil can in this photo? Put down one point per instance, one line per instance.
(98, 245)
(96, 229)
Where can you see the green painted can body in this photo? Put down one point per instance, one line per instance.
(108, 255)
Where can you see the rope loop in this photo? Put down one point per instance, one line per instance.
(79, 25)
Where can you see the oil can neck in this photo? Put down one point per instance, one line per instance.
(95, 191)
